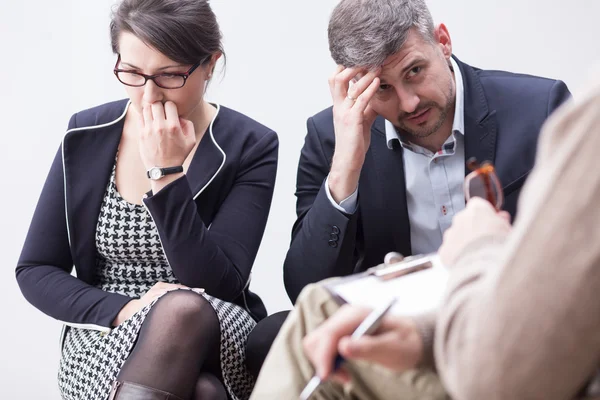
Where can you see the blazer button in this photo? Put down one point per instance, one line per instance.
(335, 230)
(333, 243)
(334, 237)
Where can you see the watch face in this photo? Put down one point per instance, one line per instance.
(155, 173)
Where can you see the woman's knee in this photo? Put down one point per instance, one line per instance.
(186, 311)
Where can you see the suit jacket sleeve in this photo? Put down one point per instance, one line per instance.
(45, 265)
(323, 238)
(218, 258)
(558, 95)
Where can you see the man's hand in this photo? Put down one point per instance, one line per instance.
(397, 343)
(352, 120)
(477, 220)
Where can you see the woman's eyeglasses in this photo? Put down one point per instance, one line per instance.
(165, 81)
(483, 182)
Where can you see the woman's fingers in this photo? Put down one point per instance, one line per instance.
(147, 116)
(158, 112)
(172, 118)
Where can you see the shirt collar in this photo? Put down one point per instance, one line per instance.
(458, 125)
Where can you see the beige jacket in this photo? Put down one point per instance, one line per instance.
(522, 316)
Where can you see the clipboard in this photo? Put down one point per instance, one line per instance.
(418, 283)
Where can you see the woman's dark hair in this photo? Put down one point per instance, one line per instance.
(186, 31)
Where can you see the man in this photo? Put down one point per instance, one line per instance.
(383, 169)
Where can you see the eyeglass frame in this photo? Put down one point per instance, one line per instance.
(185, 75)
(487, 173)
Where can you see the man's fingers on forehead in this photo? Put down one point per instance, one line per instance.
(348, 73)
(364, 72)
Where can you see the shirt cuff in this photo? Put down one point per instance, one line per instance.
(348, 205)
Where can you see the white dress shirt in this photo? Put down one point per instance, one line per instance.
(434, 181)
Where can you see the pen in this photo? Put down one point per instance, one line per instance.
(367, 327)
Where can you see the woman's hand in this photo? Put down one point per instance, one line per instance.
(155, 292)
(165, 140)
(477, 220)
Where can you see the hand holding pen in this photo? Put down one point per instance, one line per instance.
(392, 341)
(366, 327)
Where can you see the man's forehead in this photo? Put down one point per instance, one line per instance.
(415, 47)
(391, 63)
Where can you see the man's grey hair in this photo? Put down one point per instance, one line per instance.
(363, 33)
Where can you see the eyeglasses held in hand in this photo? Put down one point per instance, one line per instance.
(483, 182)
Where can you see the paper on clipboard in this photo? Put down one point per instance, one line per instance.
(418, 291)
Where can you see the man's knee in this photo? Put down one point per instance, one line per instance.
(261, 339)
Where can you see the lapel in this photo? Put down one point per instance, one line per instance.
(89, 155)
(480, 122)
(385, 213)
(209, 156)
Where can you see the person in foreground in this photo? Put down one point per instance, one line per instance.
(383, 169)
(145, 198)
(520, 318)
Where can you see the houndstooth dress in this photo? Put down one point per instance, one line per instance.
(130, 260)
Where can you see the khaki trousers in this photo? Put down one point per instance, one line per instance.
(287, 370)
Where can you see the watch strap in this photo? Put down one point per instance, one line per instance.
(171, 170)
(164, 171)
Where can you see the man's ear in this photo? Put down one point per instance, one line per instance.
(443, 40)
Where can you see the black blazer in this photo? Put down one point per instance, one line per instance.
(211, 221)
(503, 116)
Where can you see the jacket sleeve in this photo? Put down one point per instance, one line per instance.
(218, 258)
(45, 265)
(559, 93)
(323, 238)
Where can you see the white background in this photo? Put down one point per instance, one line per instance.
(56, 60)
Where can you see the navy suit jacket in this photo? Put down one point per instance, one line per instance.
(210, 221)
(503, 116)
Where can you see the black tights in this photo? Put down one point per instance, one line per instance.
(177, 350)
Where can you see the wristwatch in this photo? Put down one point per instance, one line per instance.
(155, 173)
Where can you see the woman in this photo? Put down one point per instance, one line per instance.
(160, 203)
